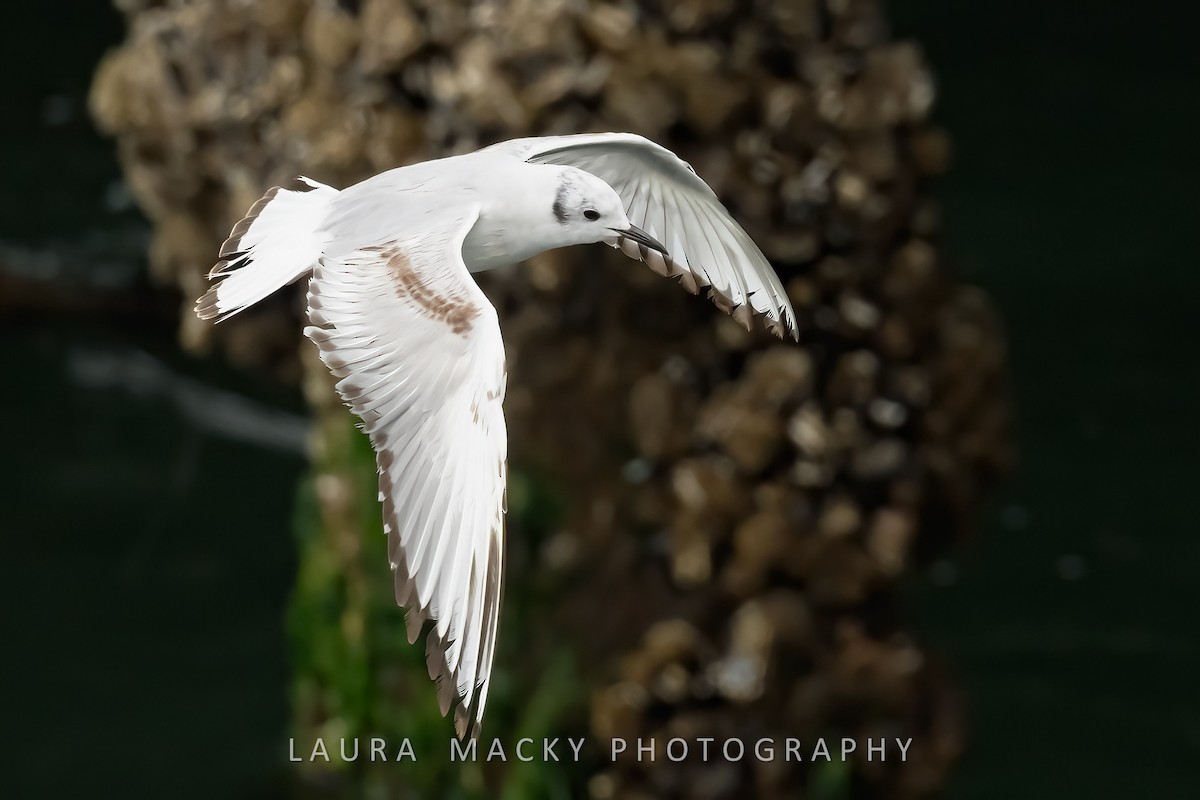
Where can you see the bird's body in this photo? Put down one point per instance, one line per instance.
(416, 346)
(508, 193)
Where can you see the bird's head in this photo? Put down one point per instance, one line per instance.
(587, 210)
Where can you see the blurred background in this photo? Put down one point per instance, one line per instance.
(957, 511)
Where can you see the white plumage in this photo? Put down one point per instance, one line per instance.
(416, 346)
(664, 196)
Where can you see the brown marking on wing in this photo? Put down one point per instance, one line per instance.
(455, 312)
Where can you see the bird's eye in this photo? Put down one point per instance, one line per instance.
(592, 215)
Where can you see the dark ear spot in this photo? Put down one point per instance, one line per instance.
(560, 206)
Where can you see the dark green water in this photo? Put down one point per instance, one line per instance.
(146, 569)
(149, 557)
(1072, 619)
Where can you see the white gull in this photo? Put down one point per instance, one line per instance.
(416, 346)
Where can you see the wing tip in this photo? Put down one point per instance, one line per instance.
(208, 306)
(782, 324)
(779, 319)
(414, 620)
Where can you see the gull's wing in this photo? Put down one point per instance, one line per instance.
(417, 350)
(664, 196)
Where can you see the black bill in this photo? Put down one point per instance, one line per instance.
(636, 234)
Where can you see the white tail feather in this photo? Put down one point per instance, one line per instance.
(278, 241)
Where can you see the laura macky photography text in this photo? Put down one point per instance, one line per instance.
(704, 748)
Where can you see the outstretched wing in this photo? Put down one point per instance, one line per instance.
(417, 350)
(664, 196)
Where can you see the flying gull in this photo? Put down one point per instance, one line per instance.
(416, 346)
